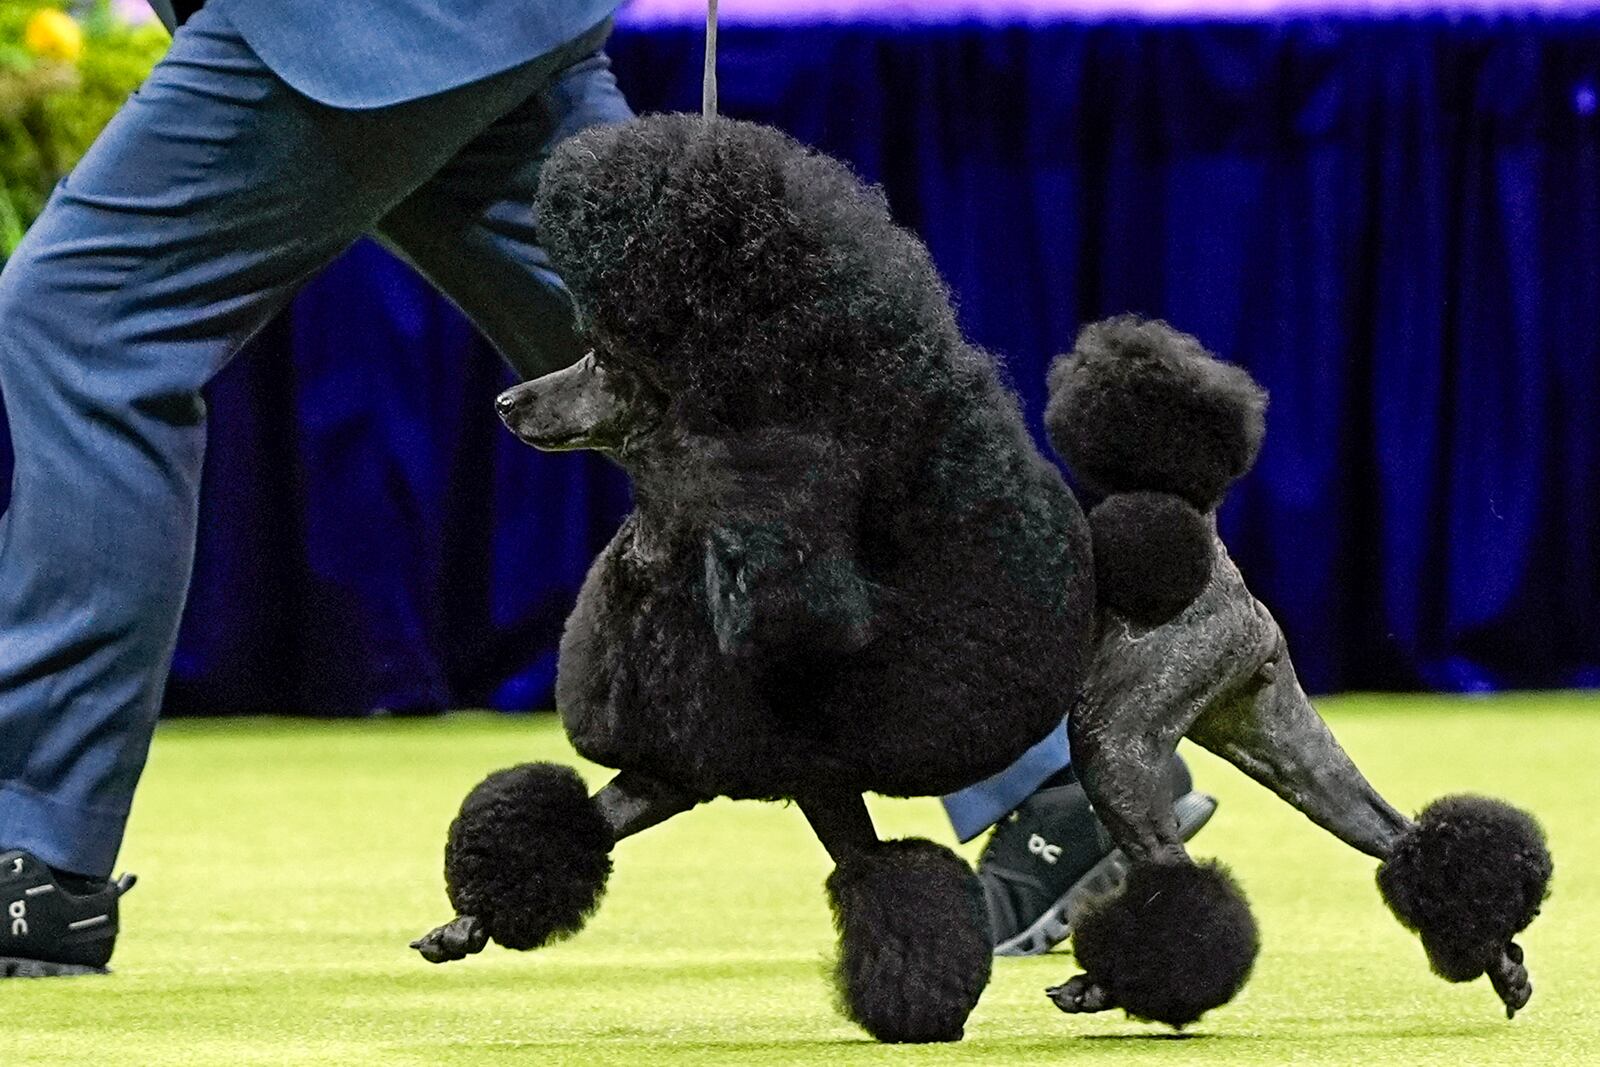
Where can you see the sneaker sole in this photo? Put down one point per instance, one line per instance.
(15, 968)
(1193, 809)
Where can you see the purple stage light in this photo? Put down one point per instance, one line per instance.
(812, 11)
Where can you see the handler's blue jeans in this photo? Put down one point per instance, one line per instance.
(212, 195)
(978, 807)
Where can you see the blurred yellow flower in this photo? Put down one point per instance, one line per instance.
(53, 34)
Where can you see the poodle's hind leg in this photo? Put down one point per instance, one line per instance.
(1178, 939)
(528, 856)
(1270, 731)
(1121, 750)
(914, 945)
(1467, 876)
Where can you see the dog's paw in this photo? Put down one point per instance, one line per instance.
(1510, 979)
(1081, 995)
(457, 939)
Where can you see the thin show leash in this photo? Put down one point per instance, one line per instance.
(708, 96)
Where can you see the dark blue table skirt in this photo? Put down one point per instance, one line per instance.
(1394, 224)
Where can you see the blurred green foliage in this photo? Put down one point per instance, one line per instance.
(52, 107)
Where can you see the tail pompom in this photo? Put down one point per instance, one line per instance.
(529, 855)
(1152, 555)
(914, 944)
(1468, 877)
(1138, 406)
(1175, 942)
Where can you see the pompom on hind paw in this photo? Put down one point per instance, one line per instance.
(1467, 878)
(1177, 941)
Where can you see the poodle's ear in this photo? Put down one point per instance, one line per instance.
(727, 591)
(768, 595)
(1139, 407)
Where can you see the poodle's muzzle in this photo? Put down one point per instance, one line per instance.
(567, 410)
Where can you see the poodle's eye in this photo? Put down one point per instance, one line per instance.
(629, 384)
(633, 379)
(607, 362)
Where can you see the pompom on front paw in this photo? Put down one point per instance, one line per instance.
(914, 944)
(457, 939)
(529, 855)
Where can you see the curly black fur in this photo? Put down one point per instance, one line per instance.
(914, 948)
(1152, 554)
(529, 854)
(1470, 876)
(1177, 941)
(1137, 405)
(752, 280)
(848, 567)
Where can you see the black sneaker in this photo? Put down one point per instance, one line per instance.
(50, 931)
(1052, 853)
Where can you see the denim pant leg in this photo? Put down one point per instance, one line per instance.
(196, 214)
(978, 807)
(472, 229)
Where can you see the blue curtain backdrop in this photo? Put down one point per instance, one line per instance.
(1394, 224)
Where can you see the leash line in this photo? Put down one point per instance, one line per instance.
(708, 96)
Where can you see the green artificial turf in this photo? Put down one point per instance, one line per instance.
(285, 865)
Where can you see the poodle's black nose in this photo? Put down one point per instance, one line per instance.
(504, 403)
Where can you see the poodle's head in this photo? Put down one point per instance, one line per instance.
(728, 280)
(582, 406)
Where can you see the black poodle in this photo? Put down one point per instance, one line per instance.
(848, 568)
(1144, 416)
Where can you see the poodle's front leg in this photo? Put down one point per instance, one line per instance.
(840, 821)
(528, 856)
(632, 802)
(1508, 976)
(463, 936)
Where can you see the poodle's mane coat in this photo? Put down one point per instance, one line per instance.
(835, 494)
